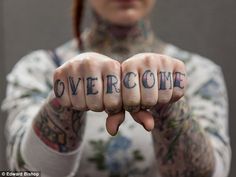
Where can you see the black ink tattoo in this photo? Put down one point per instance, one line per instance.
(112, 82)
(182, 148)
(73, 85)
(164, 77)
(145, 79)
(178, 79)
(58, 127)
(49, 132)
(126, 80)
(91, 85)
(59, 88)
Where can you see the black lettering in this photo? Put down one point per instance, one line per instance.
(145, 79)
(59, 88)
(112, 82)
(91, 85)
(126, 80)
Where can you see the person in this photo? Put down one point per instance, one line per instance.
(117, 74)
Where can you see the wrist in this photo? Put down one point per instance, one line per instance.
(173, 115)
(58, 127)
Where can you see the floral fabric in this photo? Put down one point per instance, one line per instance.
(131, 152)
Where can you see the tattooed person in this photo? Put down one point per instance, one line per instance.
(117, 76)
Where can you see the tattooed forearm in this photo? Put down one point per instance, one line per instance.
(58, 127)
(182, 147)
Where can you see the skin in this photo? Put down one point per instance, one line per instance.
(148, 85)
(80, 84)
(122, 12)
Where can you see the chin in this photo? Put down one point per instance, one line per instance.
(125, 19)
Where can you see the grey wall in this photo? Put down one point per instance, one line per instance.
(2, 88)
(207, 27)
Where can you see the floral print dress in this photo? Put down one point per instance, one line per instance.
(130, 153)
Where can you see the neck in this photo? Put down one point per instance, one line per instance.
(120, 42)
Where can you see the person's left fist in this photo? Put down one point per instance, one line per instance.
(148, 80)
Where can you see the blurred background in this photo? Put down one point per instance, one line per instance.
(206, 27)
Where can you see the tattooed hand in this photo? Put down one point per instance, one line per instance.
(150, 81)
(91, 81)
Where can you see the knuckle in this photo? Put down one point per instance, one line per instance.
(58, 72)
(179, 63)
(113, 105)
(88, 62)
(114, 65)
(125, 64)
(131, 102)
(96, 108)
(178, 94)
(79, 107)
(70, 66)
(132, 108)
(149, 102)
(165, 61)
(148, 60)
(131, 61)
(164, 99)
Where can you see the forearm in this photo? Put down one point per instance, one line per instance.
(52, 143)
(58, 127)
(182, 147)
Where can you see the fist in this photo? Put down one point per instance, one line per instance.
(89, 81)
(96, 82)
(150, 79)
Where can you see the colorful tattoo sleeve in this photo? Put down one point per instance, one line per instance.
(59, 127)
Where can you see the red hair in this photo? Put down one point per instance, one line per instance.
(77, 20)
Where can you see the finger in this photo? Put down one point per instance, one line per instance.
(144, 118)
(130, 89)
(148, 87)
(165, 80)
(112, 87)
(76, 88)
(93, 85)
(114, 121)
(179, 80)
(60, 87)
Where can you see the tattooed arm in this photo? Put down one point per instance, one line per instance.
(191, 135)
(182, 147)
(41, 134)
(59, 127)
(183, 128)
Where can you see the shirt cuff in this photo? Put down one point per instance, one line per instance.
(39, 157)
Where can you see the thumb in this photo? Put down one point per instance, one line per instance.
(144, 118)
(113, 122)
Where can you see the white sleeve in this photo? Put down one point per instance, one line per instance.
(208, 99)
(29, 84)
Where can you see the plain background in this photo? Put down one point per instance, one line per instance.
(206, 27)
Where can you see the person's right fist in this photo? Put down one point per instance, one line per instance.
(90, 81)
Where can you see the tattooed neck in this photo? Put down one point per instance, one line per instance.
(120, 42)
